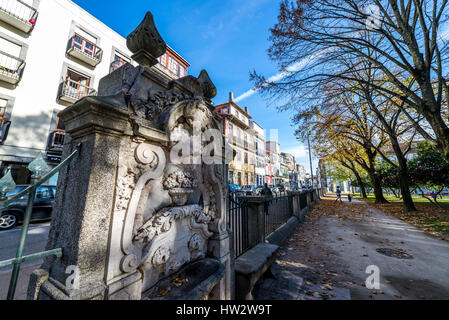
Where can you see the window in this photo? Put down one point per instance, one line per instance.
(10, 47)
(246, 157)
(59, 124)
(119, 61)
(4, 120)
(3, 103)
(230, 129)
(239, 156)
(85, 43)
(163, 60)
(76, 85)
(172, 65)
(181, 71)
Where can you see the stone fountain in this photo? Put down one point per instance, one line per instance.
(141, 213)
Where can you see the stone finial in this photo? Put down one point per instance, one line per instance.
(146, 43)
(208, 87)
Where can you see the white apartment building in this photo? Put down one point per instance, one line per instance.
(53, 53)
(274, 168)
(259, 144)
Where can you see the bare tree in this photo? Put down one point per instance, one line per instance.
(407, 38)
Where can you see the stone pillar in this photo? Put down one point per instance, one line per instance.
(295, 202)
(309, 199)
(256, 219)
(82, 214)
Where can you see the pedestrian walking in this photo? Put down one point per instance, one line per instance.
(268, 196)
(349, 197)
(338, 192)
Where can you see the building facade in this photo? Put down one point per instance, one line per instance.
(289, 171)
(259, 145)
(53, 53)
(238, 132)
(273, 153)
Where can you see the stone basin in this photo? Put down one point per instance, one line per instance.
(202, 276)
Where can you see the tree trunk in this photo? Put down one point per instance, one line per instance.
(377, 186)
(407, 199)
(361, 185)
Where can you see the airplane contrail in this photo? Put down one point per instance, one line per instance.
(300, 64)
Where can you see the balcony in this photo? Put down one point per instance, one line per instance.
(11, 68)
(55, 145)
(18, 14)
(84, 50)
(56, 141)
(72, 91)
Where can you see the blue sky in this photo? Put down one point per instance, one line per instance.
(227, 38)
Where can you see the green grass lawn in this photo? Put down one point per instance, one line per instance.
(393, 199)
(416, 199)
(429, 217)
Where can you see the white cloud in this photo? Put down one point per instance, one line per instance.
(281, 75)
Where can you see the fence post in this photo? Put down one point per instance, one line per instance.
(295, 203)
(256, 219)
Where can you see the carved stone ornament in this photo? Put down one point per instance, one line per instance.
(146, 43)
(208, 87)
(138, 165)
(161, 256)
(162, 222)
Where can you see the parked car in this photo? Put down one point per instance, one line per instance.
(249, 190)
(234, 187)
(259, 190)
(15, 212)
(281, 188)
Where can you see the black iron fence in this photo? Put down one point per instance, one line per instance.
(277, 211)
(238, 223)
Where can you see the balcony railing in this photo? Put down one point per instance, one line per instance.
(72, 91)
(18, 14)
(84, 50)
(11, 68)
(56, 141)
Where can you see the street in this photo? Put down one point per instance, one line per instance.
(9, 240)
(328, 257)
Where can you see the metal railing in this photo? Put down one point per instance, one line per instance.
(7, 184)
(76, 90)
(278, 211)
(19, 10)
(238, 223)
(56, 140)
(85, 46)
(11, 66)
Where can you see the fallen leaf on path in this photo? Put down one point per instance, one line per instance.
(162, 293)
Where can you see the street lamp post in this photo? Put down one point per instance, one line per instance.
(310, 157)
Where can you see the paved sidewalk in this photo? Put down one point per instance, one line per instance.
(9, 241)
(328, 256)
